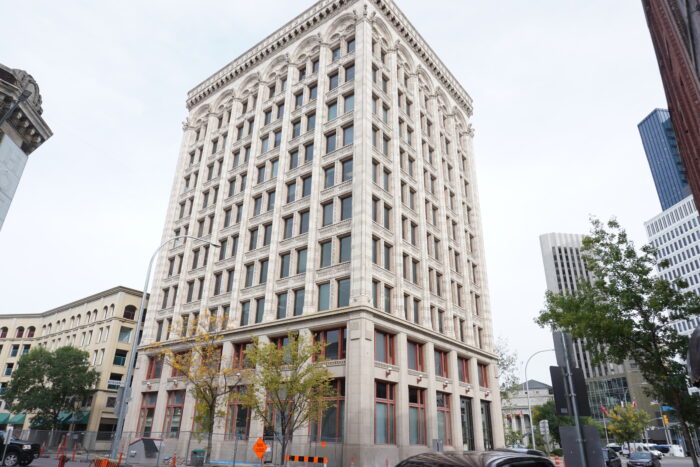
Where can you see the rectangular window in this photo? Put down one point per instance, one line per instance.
(334, 341)
(346, 208)
(309, 152)
(306, 186)
(348, 135)
(291, 192)
(384, 347)
(298, 302)
(349, 103)
(384, 413)
(415, 356)
(173, 413)
(349, 73)
(285, 261)
(260, 310)
(465, 406)
(330, 425)
(148, 409)
(326, 248)
(293, 159)
(332, 110)
(416, 416)
(324, 292)
(249, 274)
(343, 292)
(345, 249)
(444, 422)
(301, 261)
(483, 375)
(263, 271)
(311, 122)
(329, 177)
(245, 313)
(155, 368)
(327, 210)
(333, 81)
(303, 222)
(463, 369)
(330, 142)
(237, 417)
(346, 167)
(441, 363)
(288, 227)
(282, 305)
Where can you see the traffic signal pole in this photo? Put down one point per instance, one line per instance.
(574, 405)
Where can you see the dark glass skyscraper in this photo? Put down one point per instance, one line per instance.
(665, 163)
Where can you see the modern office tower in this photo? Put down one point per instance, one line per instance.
(102, 325)
(665, 163)
(675, 32)
(333, 163)
(675, 233)
(22, 130)
(608, 384)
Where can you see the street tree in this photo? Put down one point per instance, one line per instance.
(48, 383)
(513, 437)
(547, 411)
(198, 360)
(507, 367)
(288, 385)
(627, 423)
(625, 313)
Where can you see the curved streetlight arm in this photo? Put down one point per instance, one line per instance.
(527, 391)
(126, 388)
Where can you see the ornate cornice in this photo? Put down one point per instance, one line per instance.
(308, 20)
(312, 18)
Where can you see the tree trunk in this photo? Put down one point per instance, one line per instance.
(686, 433)
(283, 450)
(207, 454)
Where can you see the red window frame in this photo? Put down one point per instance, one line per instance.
(170, 408)
(463, 369)
(148, 401)
(421, 406)
(441, 357)
(320, 336)
(155, 368)
(389, 341)
(316, 428)
(418, 353)
(239, 361)
(483, 375)
(445, 398)
(390, 401)
(234, 405)
(175, 373)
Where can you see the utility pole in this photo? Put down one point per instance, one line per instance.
(574, 405)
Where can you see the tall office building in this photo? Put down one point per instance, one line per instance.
(675, 32)
(675, 233)
(22, 130)
(665, 163)
(608, 384)
(333, 163)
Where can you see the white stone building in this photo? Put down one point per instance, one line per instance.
(516, 413)
(675, 233)
(333, 162)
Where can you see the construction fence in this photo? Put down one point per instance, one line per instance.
(184, 448)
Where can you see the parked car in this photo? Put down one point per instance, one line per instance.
(643, 459)
(18, 452)
(475, 459)
(611, 458)
(532, 452)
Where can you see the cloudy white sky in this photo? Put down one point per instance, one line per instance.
(558, 85)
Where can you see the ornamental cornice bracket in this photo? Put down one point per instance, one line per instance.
(186, 125)
(470, 130)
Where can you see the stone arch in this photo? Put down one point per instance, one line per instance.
(274, 69)
(31, 330)
(19, 332)
(381, 32)
(251, 81)
(306, 49)
(404, 57)
(130, 312)
(340, 27)
(425, 80)
(223, 100)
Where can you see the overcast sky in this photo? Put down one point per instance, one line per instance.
(558, 87)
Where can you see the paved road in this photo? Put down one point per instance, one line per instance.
(672, 462)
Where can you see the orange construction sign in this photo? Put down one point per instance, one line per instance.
(259, 448)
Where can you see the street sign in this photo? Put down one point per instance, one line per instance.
(544, 427)
(259, 448)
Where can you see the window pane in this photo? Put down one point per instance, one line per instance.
(412, 356)
(330, 142)
(329, 177)
(326, 254)
(333, 344)
(328, 214)
(332, 111)
(298, 302)
(346, 208)
(348, 135)
(324, 291)
(343, 292)
(304, 221)
(350, 103)
(380, 347)
(380, 423)
(347, 170)
(345, 245)
(282, 305)
(301, 261)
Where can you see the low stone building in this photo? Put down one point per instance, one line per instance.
(516, 416)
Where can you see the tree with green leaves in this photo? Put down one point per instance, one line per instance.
(507, 366)
(197, 359)
(513, 437)
(627, 423)
(625, 313)
(547, 411)
(288, 385)
(46, 384)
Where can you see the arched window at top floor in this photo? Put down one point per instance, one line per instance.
(31, 330)
(3, 332)
(19, 332)
(130, 312)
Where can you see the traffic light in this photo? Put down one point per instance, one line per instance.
(665, 417)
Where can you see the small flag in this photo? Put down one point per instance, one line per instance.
(602, 408)
(634, 404)
(654, 402)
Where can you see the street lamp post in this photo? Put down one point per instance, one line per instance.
(126, 389)
(527, 391)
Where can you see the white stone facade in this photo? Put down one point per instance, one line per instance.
(375, 231)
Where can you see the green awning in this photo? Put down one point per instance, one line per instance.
(81, 418)
(4, 417)
(17, 419)
(63, 417)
